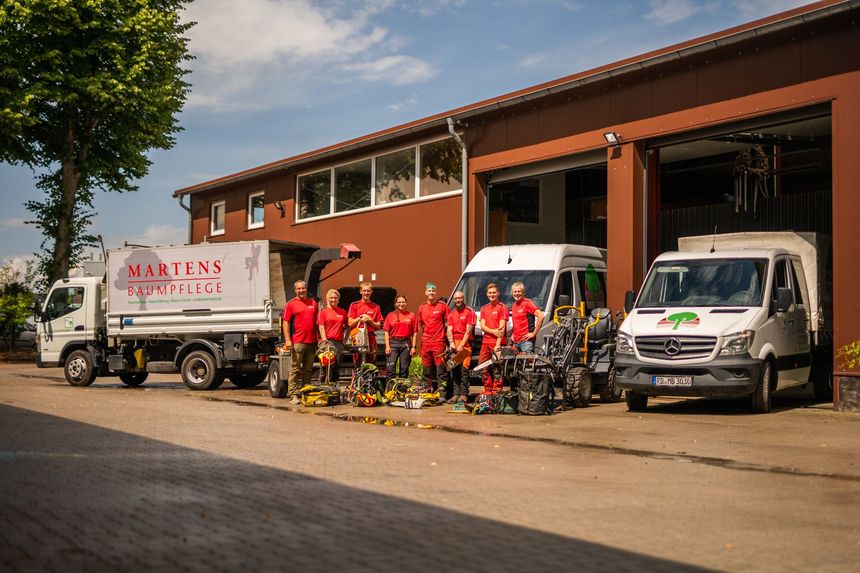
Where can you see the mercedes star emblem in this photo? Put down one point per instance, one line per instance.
(672, 346)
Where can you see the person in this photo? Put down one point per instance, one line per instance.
(494, 322)
(461, 324)
(432, 316)
(300, 338)
(331, 324)
(401, 330)
(367, 313)
(527, 319)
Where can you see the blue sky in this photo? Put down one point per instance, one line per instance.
(274, 78)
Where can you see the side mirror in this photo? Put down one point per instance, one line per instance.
(629, 300)
(36, 309)
(783, 299)
(563, 300)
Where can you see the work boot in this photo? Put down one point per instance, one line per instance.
(295, 400)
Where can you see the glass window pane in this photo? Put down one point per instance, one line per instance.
(217, 217)
(255, 210)
(441, 167)
(395, 176)
(352, 186)
(64, 301)
(315, 194)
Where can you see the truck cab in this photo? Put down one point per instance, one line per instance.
(72, 315)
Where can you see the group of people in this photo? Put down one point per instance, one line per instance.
(446, 333)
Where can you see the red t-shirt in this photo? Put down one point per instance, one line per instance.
(301, 314)
(333, 320)
(520, 312)
(401, 325)
(371, 309)
(494, 316)
(432, 318)
(458, 320)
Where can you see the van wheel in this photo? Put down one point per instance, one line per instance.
(133, 379)
(79, 369)
(577, 387)
(247, 380)
(610, 393)
(277, 387)
(199, 371)
(760, 399)
(636, 402)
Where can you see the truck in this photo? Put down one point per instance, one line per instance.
(738, 315)
(209, 311)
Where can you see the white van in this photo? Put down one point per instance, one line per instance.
(731, 315)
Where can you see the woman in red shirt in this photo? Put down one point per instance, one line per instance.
(401, 328)
(331, 323)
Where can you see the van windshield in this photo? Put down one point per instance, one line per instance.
(474, 286)
(705, 282)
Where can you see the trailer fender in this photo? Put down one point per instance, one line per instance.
(199, 344)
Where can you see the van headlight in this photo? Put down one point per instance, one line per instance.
(624, 344)
(737, 343)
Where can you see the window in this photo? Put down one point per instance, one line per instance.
(564, 288)
(64, 301)
(216, 219)
(314, 194)
(592, 285)
(441, 167)
(798, 279)
(352, 186)
(255, 210)
(395, 176)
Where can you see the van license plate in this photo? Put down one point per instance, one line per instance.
(672, 380)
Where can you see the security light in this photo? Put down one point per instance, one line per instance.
(612, 138)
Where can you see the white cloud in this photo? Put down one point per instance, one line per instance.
(533, 60)
(404, 104)
(12, 222)
(759, 8)
(18, 263)
(261, 54)
(665, 12)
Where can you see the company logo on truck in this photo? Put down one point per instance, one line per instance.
(679, 319)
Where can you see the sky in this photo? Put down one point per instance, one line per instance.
(275, 78)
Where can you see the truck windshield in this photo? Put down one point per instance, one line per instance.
(474, 286)
(705, 282)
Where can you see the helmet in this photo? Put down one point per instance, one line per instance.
(326, 357)
(365, 399)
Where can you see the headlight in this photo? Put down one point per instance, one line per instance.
(624, 344)
(737, 343)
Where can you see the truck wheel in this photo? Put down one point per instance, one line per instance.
(199, 371)
(277, 387)
(610, 393)
(79, 368)
(133, 379)
(247, 380)
(577, 387)
(760, 399)
(636, 402)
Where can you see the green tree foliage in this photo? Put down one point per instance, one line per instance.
(16, 301)
(87, 87)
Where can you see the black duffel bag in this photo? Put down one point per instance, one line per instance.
(535, 394)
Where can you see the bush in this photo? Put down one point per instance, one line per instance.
(16, 301)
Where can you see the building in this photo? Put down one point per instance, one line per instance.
(752, 128)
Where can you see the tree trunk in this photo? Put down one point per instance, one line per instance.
(71, 176)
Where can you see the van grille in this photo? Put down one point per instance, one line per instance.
(689, 346)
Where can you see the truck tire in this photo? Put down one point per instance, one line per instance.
(248, 379)
(133, 379)
(760, 398)
(577, 387)
(610, 393)
(277, 387)
(636, 402)
(79, 368)
(200, 372)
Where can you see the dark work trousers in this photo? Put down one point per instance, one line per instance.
(460, 380)
(400, 348)
(331, 373)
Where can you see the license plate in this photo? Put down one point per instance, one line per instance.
(672, 380)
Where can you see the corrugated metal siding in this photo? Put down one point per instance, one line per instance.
(810, 211)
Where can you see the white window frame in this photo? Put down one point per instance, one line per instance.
(250, 220)
(213, 232)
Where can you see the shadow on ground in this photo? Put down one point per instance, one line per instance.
(78, 497)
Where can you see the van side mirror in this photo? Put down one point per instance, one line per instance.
(629, 300)
(563, 300)
(783, 299)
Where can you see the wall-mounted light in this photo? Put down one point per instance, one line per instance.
(279, 206)
(612, 138)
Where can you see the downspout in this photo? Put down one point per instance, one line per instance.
(187, 210)
(464, 210)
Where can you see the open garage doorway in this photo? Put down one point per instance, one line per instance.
(556, 201)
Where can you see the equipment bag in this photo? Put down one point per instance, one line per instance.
(508, 403)
(319, 395)
(534, 394)
(486, 403)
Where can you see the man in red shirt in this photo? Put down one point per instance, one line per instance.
(461, 323)
(527, 319)
(367, 313)
(494, 322)
(331, 324)
(300, 338)
(432, 316)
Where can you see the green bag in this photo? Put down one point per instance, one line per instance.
(508, 403)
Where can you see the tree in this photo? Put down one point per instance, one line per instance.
(16, 301)
(87, 87)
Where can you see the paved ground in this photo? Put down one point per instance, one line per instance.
(109, 478)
